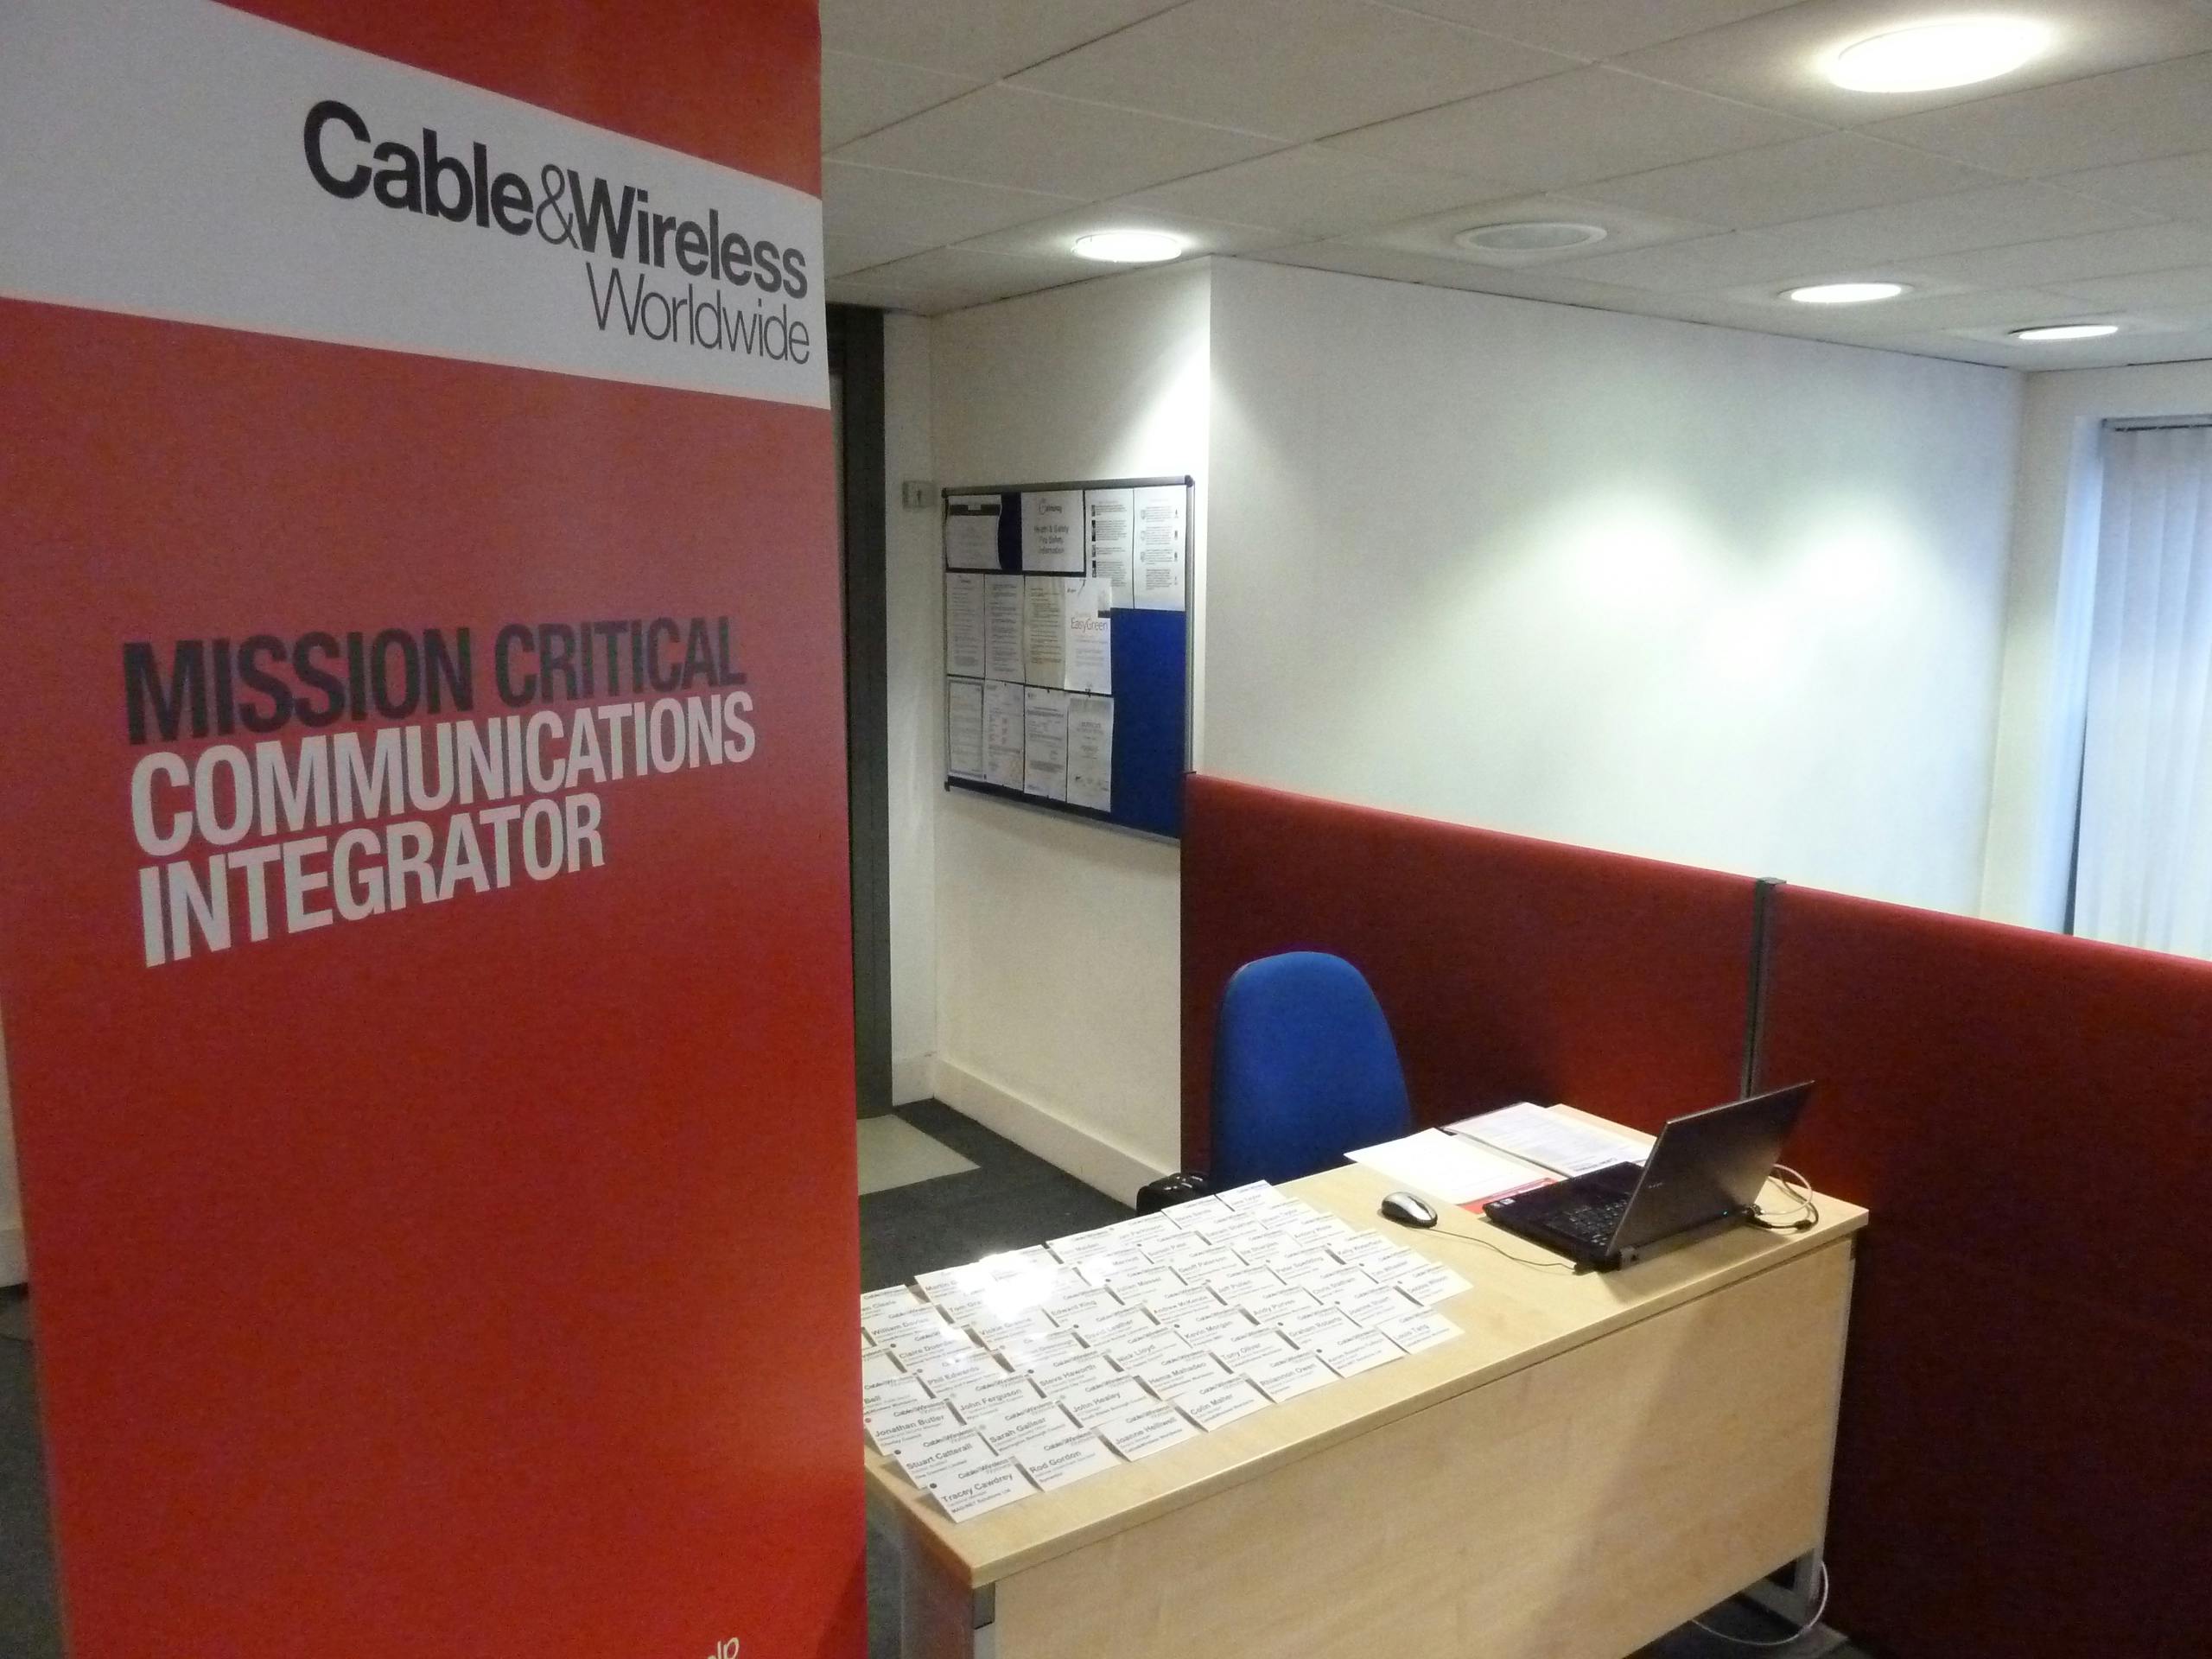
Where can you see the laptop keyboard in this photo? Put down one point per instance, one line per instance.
(1596, 1221)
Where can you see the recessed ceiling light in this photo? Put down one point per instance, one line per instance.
(1931, 56)
(2066, 331)
(1128, 247)
(1531, 236)
(1845, 293)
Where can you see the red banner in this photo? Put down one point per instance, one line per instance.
(424, 954)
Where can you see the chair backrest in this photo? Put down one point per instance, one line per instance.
(1304, 1070)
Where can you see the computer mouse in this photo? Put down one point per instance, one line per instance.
(1409, 1210)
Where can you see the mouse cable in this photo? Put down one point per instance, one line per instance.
(1541, 1266)
(1820, 1610)
(1807, 1211)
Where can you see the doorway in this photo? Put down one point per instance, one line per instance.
(856, 416)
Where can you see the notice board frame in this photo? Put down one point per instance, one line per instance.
(1152, 653)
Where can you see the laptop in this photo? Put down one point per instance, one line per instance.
(1703, 1174)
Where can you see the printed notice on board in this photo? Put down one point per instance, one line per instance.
(1002, 627)
(971, 531)
(1090, 753)
(1045, 629)
(963, 626)
(1089, 655)
(963, 729)
(1004, 735)
(1052, 531)
(1110, 523)
(1044, 748)
(1161, 538)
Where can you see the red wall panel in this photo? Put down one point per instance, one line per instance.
(2029, 1117)
(1509, 968)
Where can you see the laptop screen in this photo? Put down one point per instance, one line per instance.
(1708, 1165)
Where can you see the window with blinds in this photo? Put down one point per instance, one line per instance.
(2143, 858)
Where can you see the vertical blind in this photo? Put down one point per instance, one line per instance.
(2143, 870)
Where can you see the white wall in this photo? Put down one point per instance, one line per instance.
(2036, 780)
(913, 656)
(1714, 596)
(1059, 942)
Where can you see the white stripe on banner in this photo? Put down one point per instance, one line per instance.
(177, 159)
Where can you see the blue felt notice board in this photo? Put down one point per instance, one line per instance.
(1110, 557)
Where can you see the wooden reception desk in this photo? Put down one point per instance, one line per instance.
(1597, 1457)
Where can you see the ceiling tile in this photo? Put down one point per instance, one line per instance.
(1594, 28)
(2132, 115)
(2148, 291)
(1706, 264)
(2070, 258)
(880, 296)
(870, 215)
(982, 39)
(1950, 224)
(1032, 141)
(1993, 308)
(1779, 60)
(1571, 129)
(1966, 348)
(1624, 229)
(974, 279)
(1295, 68)
(1316, 192)
(1794, 322)
(1402, 265)
(1832, 173)
(2119, 350)
(2179, 185)
(1053, 238)
(859, 94)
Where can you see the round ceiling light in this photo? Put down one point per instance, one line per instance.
(1128, 247)
(2058, 331)
(1532, 236)
(1931, 56)
(1845, 293)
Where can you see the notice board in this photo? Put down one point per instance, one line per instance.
(1067, 646)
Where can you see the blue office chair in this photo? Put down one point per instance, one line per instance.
(1304, 1070)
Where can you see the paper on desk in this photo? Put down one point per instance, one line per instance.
(1448, 1168)
(1551, 1139)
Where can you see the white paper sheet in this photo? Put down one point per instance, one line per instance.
(1003, 735)
(1218, 1404)
(1111, 523)
(1361, 1353)
(1001, 627)
(964, 624)
(1161, 538)
(971, 532)
(1045, 630)
(1052, 531)
(1090, 649)
(1448, 1168)
(1090, 753)
(1044, 748)
(1151, 1428)
(1549, 1138)
(963, 729)
(1066, 1458)
(973, 1492)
